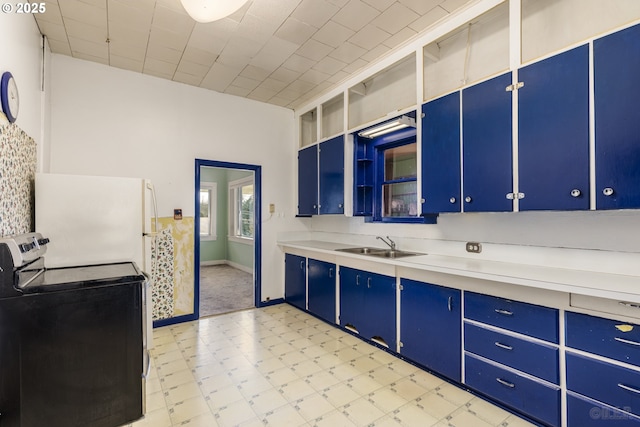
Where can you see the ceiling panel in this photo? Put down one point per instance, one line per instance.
(283, 52)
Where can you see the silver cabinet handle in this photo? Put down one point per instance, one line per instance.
(301, 265)
(506, 347)
(422, 200)
(467, 199)
(628, 388)
(330, 273)
(575, 192)
(507, 383)
(622, 340)
(450, 303)
(505, 312)
(607, 191)
(357, 280)
(369, 282)
(452, 200)
(340, 205)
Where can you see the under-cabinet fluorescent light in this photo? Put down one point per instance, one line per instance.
(388, 127)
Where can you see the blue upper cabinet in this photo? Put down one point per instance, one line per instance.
(617, 119)
(487, 146)
(553, 132)
(308, 181)
(441, 155)
(331, 176)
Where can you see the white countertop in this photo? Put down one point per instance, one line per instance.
(596, 284)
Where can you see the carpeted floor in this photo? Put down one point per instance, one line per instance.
(224, 289)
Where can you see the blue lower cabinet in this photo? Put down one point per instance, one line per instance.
(430, 327)
(321, 278)
(612, 384)
(538, 359)
(368, 304)
(585, 412)
(536, 399)
(295, 280)
(528, 319)
(609, 338)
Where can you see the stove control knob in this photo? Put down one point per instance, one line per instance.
(26, 247)
(43, 241)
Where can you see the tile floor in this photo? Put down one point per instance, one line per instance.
(278, 366)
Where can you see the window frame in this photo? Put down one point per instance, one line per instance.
(235, 187)
(212, 232)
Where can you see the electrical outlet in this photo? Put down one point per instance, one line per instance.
(474, 247)
(272, 208)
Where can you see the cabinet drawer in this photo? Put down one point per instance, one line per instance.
(533, 358)
(584, 412)
(608, 383)
(534, 398)
(528, 319)
(610, 338)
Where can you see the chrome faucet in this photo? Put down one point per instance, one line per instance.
(388, 241)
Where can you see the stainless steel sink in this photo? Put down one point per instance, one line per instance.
(379, 252)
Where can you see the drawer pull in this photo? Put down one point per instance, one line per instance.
(506, 347)
(629, 304)
(622, 340)
(631, 389)
(508, 384)
(505, 312)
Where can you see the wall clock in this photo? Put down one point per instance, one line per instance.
(9, 96)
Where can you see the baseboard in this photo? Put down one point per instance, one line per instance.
(230, 264)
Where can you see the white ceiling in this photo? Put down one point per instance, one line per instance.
(283, 52)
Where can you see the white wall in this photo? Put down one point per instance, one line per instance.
(21, 55)
(112, 122)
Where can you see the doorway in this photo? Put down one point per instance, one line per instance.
(227, 237)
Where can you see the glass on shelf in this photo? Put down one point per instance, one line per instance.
(400, 199)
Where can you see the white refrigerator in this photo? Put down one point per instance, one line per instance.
(95, 220)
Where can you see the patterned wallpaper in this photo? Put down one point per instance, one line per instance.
(18, 160)
(172, 256)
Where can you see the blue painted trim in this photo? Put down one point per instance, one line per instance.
(271, 302)
(174, 320)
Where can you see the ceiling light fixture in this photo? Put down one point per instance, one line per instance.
(388, 127)
(211, 10)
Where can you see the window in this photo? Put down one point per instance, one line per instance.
(208, 206)
(399, 184)
(241, 199)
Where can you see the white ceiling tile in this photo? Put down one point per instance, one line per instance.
(193, 68)
(275, 85)
(285, 75)
(245, 83)
(255, 73)
(61, 47)
(281, 102)
(52, 14)
(135, 53)
(355, 15)
(168, 38)
(90, 15)
(187, 78)
(356, 65)
(126, 63)
(314, 76)
(131, 14)
(314, 50)
(81, 30)
(315, 12)
(254, 28)
(295, 31)
(237, 91)
(329, 65)
(399, 38)
(376, 53)
(339, 3)
(381, 5)
(159, 74)
(201, 39)
(199, 56)
(338, 77)
(129, 35)
(348, 52)
(274, 53)
(333, 34)
(87, 48)
(92, 58)
(452, 5)
(298, 63)
(171, 20)
(163, 53)
(219, 77)
(53, 31)
(369, 37)
(262, 94)
(159, 66)
(395, 18)
(430, 18)
(275, 11)
(174, 5)
(421, 6)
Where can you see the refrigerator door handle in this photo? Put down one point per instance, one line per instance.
(152, 189)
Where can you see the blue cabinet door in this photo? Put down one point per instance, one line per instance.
(430, 326)
(295, 279)
(553, 132)
(332, 176)
(308, 181)
(487, 146)
(617, 119)
(441, 155)
(351, 297)
(321, 277)
(379, 310)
